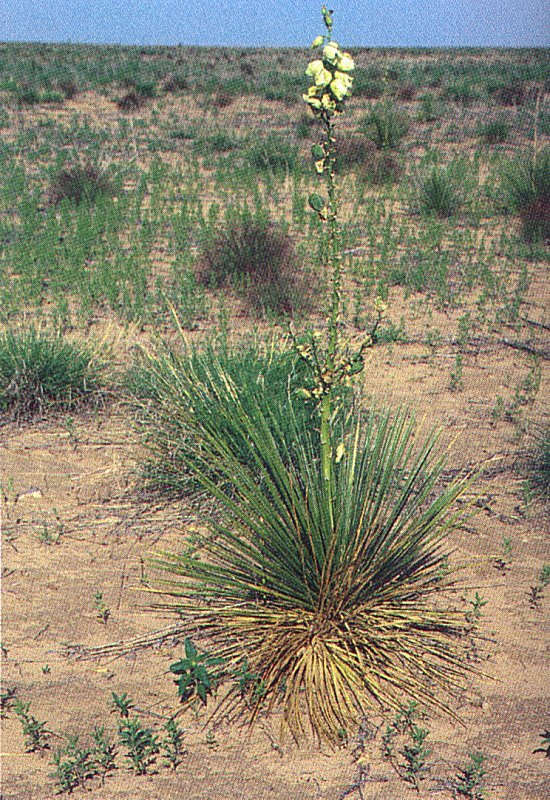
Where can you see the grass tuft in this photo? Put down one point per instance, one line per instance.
(41, 372)
(81, 182)
(526, 186)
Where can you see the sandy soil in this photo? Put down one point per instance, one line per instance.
(80, 489)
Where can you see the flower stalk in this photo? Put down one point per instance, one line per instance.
(337, 364)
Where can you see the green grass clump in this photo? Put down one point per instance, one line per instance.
(537, 466)
(273, 154)
(385, 125)
(463, 92)
(526, 187)
(494, 132)
(330, 602)
(43, 371)
(440, 191)
(256, 256)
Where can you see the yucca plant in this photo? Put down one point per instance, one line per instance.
(333, 599)
(326, 560)
(169, 380)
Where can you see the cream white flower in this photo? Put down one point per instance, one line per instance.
(323, 78)
(312, 99)
(331, 52)
(328, 103)
(347, 80)
(314, 67)
(339, 88)
(345, 63)
(317, 42)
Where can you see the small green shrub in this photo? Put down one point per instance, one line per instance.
(430, 108)
(469, 782)
(43, 371)
(525, 184)
(35, 733)
(172, 744)
(27, 95)
(81, 182)
(74, 765)
(385, 125)
(463, 93)
(141, 744)
(256, 256)
(195, 676)
(494, 132)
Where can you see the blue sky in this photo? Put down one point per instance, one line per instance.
(406, 23)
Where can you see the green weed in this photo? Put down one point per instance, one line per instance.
(195, 679)
(469, 782)
(35, 733)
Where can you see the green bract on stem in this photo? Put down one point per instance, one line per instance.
(332, 83)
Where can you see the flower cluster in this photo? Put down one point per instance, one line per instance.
(332, 81)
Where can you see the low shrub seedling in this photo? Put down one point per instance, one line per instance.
(141, 744)
(36, 734)
(74, 764)
(172, 744)
(195, 677)
(469, 782)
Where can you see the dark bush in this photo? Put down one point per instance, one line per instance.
(406, 92)
(81, 182)
(257, 257)
(379, 168)
(508, 94)
(131, 101)
(494, 132)
(69, 88)
(354, 150)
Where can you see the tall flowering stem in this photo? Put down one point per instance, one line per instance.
(331, 84)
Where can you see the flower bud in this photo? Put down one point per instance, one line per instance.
(317, 42)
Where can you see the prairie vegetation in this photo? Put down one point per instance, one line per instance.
(163, 302)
